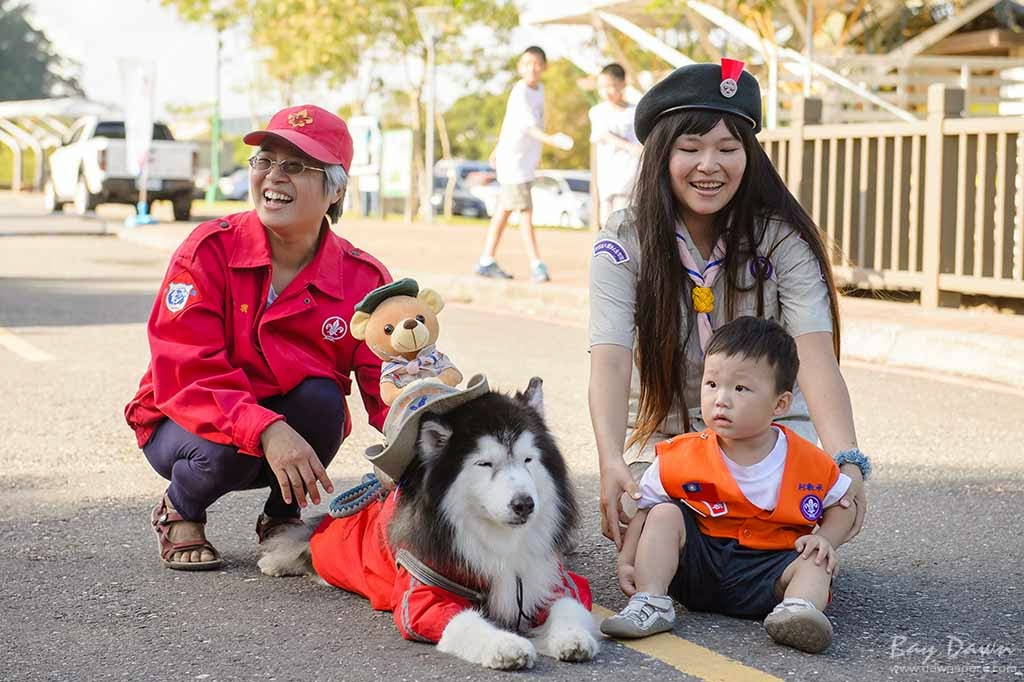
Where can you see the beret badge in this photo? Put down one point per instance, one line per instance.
(731, 70)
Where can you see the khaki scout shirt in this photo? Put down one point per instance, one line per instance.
(795, 296)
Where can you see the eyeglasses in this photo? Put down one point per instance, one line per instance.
(262, 164)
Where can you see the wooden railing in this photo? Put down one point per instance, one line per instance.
(935, 206)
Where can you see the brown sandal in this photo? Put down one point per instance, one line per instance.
(162, 518)
(266, 526)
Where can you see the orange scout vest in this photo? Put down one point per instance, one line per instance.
(693, 471)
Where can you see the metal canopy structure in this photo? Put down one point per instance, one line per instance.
(854, 85)
(37, 125)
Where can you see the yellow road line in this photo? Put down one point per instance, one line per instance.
(22, 348)
(690, 658)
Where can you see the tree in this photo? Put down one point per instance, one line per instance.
(565, 110)
(29, 67)
(335, 40)
(474, 120)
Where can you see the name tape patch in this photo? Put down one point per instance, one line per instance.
(612, 250)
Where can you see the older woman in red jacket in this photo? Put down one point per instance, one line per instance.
(251, 357)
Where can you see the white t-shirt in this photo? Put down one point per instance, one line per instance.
(758, 482)
(616, 167)
(518, 154)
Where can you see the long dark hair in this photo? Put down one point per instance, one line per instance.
(663, 292)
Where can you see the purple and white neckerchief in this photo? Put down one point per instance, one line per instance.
(702, 279)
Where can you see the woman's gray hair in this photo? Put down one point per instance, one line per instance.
(335, 178)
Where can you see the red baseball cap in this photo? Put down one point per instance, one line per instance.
(316, 132)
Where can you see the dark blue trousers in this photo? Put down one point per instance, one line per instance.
(201, 471)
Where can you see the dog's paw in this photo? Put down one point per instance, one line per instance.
(506, 651)
(275, 568)
(282, 564)
(573, 644)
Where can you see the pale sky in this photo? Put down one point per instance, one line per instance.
(98, 32)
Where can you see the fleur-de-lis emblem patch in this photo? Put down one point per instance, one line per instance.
(334, 328)
(298, 119)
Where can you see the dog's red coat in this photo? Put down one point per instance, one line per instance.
(353, 553)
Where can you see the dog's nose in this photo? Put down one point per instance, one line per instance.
(522, 505)
(410, 323)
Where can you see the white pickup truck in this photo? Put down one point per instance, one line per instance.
(90, 169)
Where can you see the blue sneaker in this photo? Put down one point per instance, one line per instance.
(492, 270)
(540, 273)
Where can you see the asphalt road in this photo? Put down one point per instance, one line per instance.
(936, 572)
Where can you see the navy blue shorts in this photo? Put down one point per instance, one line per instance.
(721, 576)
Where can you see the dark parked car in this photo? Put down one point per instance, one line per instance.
(463, 203)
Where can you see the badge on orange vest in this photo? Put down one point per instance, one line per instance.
(717, 508)
(810, 507)
(181, 293)
(700, 491)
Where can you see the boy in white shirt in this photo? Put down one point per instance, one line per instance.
(617, 150)
(516, 158)
(727, 516)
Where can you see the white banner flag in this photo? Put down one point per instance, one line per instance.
(138, 90)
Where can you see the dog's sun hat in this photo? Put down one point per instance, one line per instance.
(402, 425)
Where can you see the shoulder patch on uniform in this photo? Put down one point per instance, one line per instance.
(612, 249)
(181, 292)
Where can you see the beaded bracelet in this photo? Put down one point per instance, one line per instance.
(856, 457)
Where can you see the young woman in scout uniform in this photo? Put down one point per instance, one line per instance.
(713, 234)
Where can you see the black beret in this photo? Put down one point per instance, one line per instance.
(403, 287)
(701, 86)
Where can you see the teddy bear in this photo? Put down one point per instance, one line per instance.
(398, 321)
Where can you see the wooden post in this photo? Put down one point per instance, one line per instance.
(939, 192)
(806, 111)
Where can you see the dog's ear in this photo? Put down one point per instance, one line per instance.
(434, 435)
(534, 395)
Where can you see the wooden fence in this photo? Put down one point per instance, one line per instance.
(935, 206)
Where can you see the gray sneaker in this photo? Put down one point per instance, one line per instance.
(492, 270)
(644, 615)
(539, 273)
(797, 623)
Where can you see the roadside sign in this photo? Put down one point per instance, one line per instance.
(366, 145)
(396, 164)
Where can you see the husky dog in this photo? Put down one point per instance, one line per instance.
(476, 526)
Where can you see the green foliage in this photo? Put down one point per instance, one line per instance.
(240, 151)
(474, 121)
(29, 68)
(339, 40)
(219, 13)
(565, 110)
(330, 38)
(473, 124)
(28, 167)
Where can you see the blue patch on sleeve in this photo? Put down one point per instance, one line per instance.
(612, 249)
